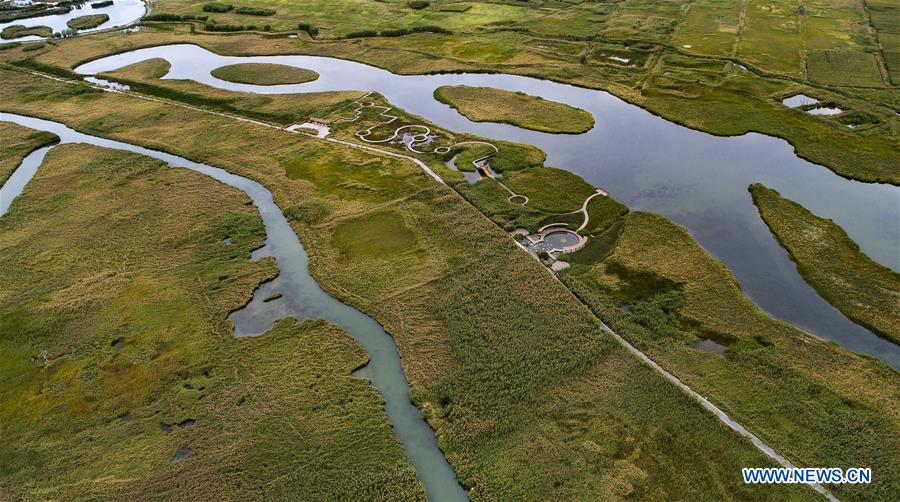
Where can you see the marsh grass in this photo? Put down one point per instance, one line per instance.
(116, 351)
(17, 143)
(833, 412)
(829, 260)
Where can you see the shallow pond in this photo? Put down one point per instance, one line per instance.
(696, 179)
(301, 297)
(121, 13)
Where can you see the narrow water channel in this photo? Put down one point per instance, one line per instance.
(301, 297)
(696, 179)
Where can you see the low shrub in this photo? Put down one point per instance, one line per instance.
(211, 25)
(217, 7)
(254, 11)
(361, 34)
(417, 4)
(312, 30)
(417, 29)
(173, 17)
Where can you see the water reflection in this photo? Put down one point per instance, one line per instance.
(696, 179)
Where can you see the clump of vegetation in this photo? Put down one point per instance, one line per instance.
(217, 7)
(212, 25)
(18, 30)
(65, 33)
(455, 7)
(829, 260)
(173, 17)
(361, 34)
(87, 22)
(101, 4)
(311, 29)
(487, 104)
(398, 32)
(415, 29)
(418, 4)
(254, 11)
(264, 74)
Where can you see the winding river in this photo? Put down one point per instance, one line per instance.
(696, 179)
(121, 13)
(302, 297)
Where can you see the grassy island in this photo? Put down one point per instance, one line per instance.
(829, 260)
(87, 22)
(486, 104)
(264, 74)
(17, 30)
(122, 379)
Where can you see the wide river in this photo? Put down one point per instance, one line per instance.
(302, 298)
(694, 178)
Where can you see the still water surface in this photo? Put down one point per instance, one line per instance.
(121, 13)
(302, 298)
(698, 180)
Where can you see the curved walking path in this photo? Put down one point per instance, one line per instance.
(705, 403)
(584, 210)
(422, 138)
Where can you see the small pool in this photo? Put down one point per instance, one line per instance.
(562, 239)
(799, 100)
